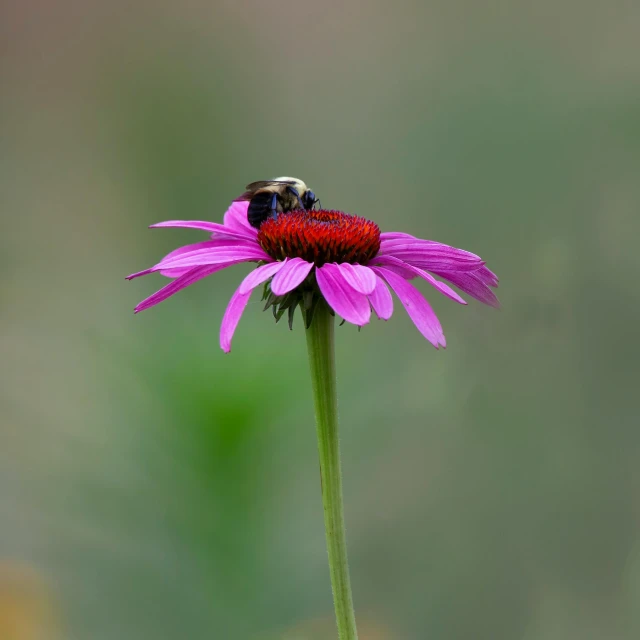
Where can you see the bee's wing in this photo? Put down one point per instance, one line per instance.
(261, 184)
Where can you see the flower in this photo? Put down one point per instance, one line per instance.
(308, 255)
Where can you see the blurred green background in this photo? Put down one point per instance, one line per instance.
(153, 487)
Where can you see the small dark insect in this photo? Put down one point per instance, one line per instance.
(268, 198)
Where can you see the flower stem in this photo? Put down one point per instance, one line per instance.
(320, 346)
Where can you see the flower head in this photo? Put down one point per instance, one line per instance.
(305, 256)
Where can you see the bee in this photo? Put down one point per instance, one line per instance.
(268, 198)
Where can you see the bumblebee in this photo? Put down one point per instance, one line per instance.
(268, 198)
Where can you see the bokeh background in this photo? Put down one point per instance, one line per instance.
(153, 487)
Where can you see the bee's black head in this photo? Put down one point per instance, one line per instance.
(309, 199)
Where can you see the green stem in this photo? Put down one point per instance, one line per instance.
(320, 346)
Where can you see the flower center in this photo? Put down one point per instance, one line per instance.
(320, 236)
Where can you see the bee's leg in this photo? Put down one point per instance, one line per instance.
(297, 195)
(274, 205)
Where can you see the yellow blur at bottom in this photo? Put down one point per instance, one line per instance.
(26, 610)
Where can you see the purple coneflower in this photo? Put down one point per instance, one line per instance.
(311, 254)
(326, 263)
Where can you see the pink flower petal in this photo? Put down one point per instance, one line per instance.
(431, 255)
(352, 305)
(361, 278)
(399, 239)
(176, 273)
(260, 275)
(218, 243)
(381, 300)
(212, 227)
(417, 307)
(179, 283)
(214, 255)
(231, 317)
(401, 268)
(191, 249)
(390, 261)
(288, 278)
(395, 235)
(235, 219)
(487, 276)
(140, 273)
(205, 225)
(471, 284)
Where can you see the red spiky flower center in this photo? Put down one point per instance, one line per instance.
(320, 236)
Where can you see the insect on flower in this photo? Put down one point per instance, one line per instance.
(306, 254)
(268, 198)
